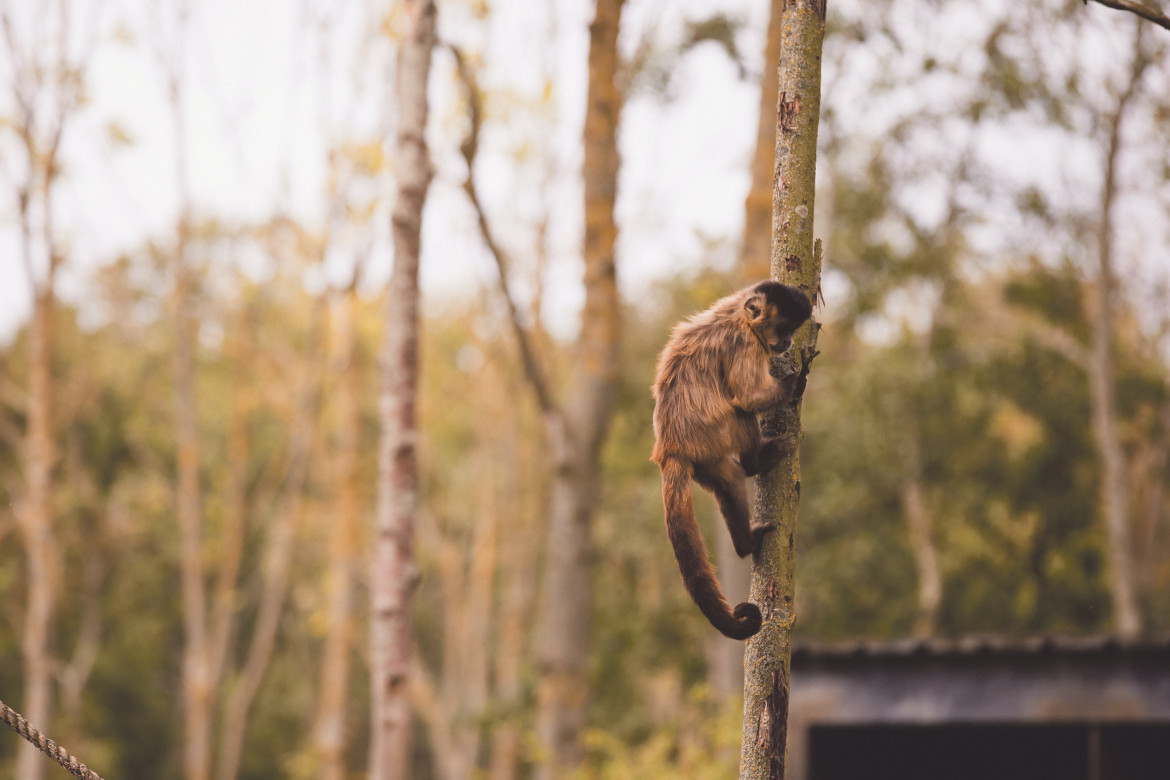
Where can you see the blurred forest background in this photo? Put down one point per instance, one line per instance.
(195, 244)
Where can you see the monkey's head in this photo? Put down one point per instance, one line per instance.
(774, 311)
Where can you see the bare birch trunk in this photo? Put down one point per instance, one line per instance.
(1114, 489)
(575, 438)
(795, 260)
(394, 572)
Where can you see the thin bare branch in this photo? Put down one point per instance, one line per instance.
(469, 148)
(1141, 9)
(278, 556)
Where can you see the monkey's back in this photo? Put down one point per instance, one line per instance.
(694, 417)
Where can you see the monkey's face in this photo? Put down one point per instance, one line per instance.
(774, 311)
(781, 345)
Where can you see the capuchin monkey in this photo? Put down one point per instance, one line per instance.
(712, 380)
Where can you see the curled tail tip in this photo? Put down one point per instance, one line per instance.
(747, 622)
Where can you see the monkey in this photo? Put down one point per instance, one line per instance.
(711, 380)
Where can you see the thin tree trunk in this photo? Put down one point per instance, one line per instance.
(918, 520)
(562, 692)
(575, 440)
(795, 260)
(197, 682)
(276, 565)
(725, 656)
(394, 572)
(755, 252)
(521, 547)
(38, 89)
(520, 550)
(223, 604)
(469, 700)
(1114, 490)
(329, 731)
(522, 494)
(35, 523)
(197, 679)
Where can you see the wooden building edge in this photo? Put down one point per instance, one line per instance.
(1044, 708)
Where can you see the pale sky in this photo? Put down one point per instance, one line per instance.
(269, 85)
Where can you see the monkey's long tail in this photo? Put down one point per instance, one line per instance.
(691, 553)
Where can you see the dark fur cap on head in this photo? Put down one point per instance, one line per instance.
(788, 299)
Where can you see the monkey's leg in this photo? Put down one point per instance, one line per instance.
(725, 479)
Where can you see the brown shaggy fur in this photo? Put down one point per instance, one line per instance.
(712, 380)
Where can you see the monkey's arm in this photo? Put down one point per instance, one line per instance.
(750, 383)
(790, 374)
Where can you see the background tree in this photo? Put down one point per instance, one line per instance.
(394, 573)
(566, 600)
(574, 430)
(1114, 490)
(46, 65)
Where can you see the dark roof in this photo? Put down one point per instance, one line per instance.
(977, 646)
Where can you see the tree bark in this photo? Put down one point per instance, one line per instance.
(394, 571)
(796, 261)
(1114, 490)
(575, 439)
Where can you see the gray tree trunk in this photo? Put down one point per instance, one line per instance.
(795, 260)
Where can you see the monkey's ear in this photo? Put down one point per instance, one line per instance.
(754, 306)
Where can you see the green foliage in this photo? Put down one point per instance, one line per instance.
(693, 736)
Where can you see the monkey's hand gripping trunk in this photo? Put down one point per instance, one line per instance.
(691, 553)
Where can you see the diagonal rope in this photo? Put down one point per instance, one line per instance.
(46, 745)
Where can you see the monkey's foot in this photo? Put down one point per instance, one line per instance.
(758, 534)
(773, 450)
